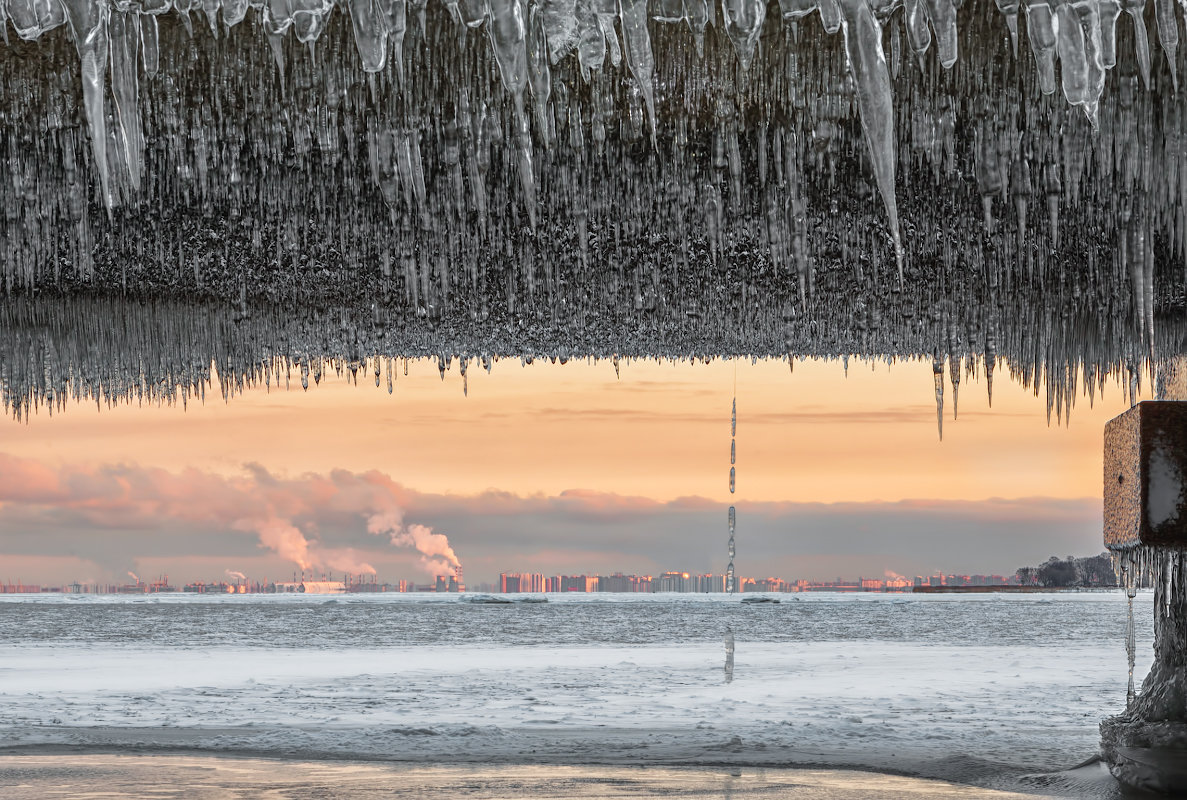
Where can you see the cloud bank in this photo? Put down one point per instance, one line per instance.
(121, 516)
(299, 518)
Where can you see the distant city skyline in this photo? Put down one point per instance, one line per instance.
(563, 469)
(525, 582)
(669, 581)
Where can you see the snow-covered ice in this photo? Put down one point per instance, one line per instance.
(969, 688)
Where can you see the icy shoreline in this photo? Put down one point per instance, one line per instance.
(132, 776)
(953, 713)
(981, 690)
(589, 747)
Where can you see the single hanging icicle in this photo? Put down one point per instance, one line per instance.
(369, 24)
(1168, 35)
(88, 24)
(743, 24)
(1009, 9)
(1131, 590)
(937, 368)
(638, 54)
(508, 36)
(867, 62)
(124, 43)
(943, 21)
(1141, 39)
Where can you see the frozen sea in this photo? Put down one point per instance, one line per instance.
(995, 691)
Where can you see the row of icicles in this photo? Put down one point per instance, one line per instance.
(525, 38)
(54, 395)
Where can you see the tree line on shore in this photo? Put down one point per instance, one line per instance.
(1091, 571)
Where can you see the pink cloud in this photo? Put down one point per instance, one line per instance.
(272, 507)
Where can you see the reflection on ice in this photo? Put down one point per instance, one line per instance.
(729, 655)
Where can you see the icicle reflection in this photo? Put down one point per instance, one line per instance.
(729, 655)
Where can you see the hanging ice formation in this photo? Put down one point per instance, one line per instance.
(54, 350)
(354, 179)
(730, 113)
(1144, 744)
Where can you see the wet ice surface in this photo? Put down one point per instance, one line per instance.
(976, 689)
(197, 777)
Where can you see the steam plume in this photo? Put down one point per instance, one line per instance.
(134, 576)
(437, 557)
(284, 513)
(236, 575)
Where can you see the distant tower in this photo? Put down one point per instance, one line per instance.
(729, 570)
(458, 580)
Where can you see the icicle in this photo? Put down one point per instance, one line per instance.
(540, 77)
(508, 36)
(1141, 40)
(124, 31)
(149, 44)
(954, 378)
(1009, 9)
(830, 16)
(1110, 11)
(396, 22)
(1040, 30)
(863, 44)
(743, 24)
(937, 368)
(88, 24)
(1131, 591)
(607, 12)
(942, 14)
(1168, 35)
(696, 14)
(369, 24)
(31, 18)
(638, 54)
(918, 33)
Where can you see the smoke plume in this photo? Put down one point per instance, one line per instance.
(287, 515)
(239, 576)
(134, 576)
(437, 557)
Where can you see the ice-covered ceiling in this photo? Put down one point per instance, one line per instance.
(307, 179)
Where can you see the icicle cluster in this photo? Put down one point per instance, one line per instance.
(447, 158)
(109, 351)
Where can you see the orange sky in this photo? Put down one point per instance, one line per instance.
(660, 431)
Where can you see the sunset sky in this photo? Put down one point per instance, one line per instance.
(560, 469)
